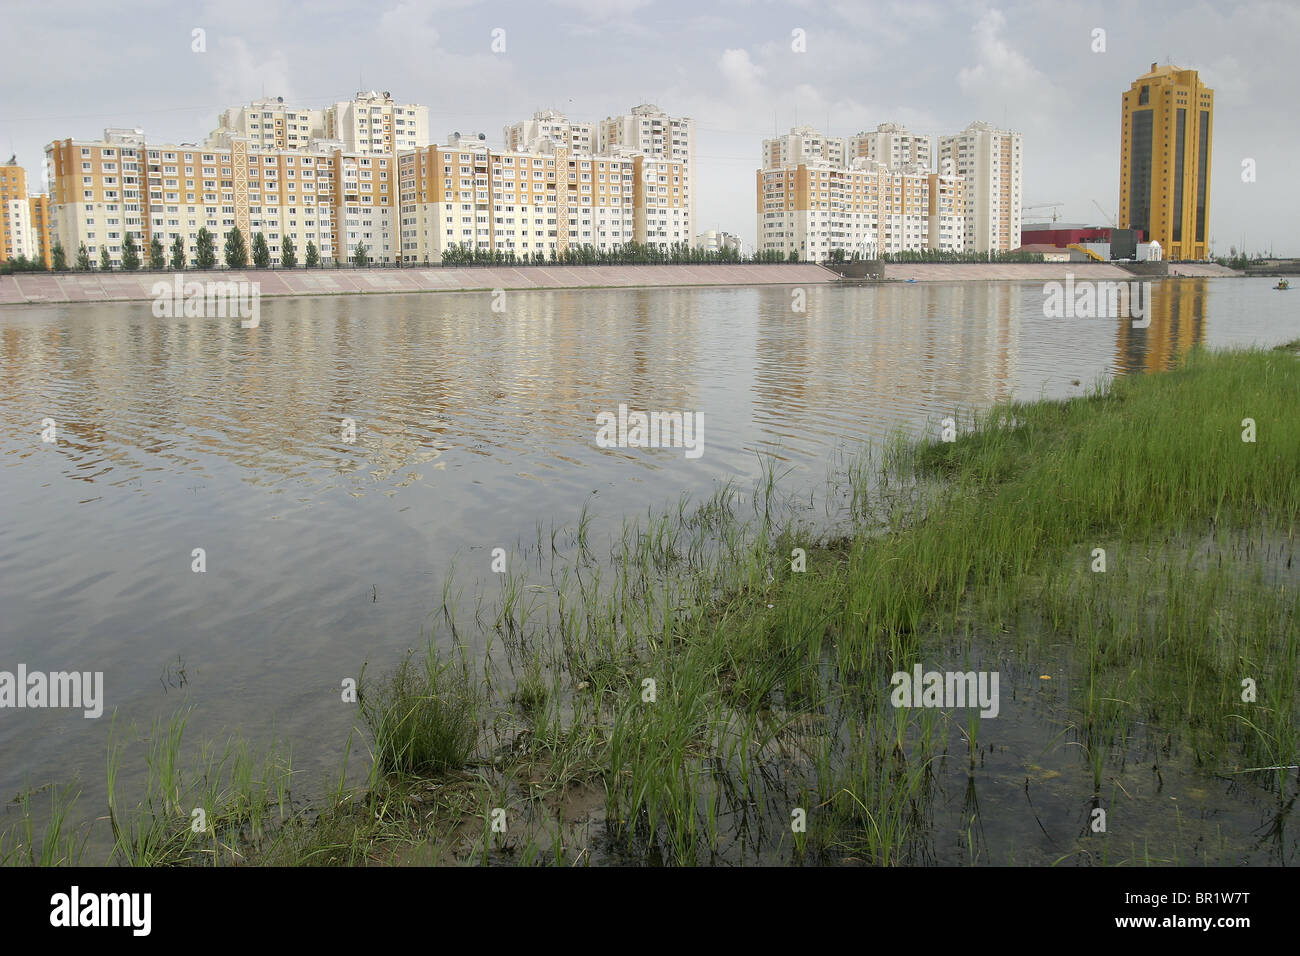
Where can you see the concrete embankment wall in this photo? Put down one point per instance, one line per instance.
(110, 287)
(1022, 271)
(1005, 271)
(1208, 270)
(118, 287)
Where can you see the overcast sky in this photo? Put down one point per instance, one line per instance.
(68, 69)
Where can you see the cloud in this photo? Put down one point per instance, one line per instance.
(743, 76)
(1226, 77)
(239, 73)
(604, 9)
(1003, 76)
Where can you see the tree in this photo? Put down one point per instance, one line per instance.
(105, 263)
(59, 258)
(261, 251)
(178, 254)
(360, 257)
(313, 257)
(130, 254)
(157, 258)
(288, 254)
(205, 253)
(236, 250)
(83, 259)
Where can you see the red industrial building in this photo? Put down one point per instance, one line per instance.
(1063, 234)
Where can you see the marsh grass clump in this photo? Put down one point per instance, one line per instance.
(424, 717)
(210, 808)
(59, 845)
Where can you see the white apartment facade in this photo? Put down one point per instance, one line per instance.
(990, 159)
(866, 209)
(268, 124)
(668, 142)
(19, 238)
(894, 145)
(804, 144)
(529, 135)
(103, 189)
(465, 194)
(349, 177)
(373, 124)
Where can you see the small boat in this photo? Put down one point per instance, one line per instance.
(1283, 285)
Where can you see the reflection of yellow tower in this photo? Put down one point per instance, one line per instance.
(1177, 314)
(1164, 173)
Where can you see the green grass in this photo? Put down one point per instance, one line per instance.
(423, 717)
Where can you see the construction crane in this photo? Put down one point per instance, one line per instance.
(1042, 205)
(1109, 218)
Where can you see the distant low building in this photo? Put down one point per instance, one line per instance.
(1052, 253)
(715, 241)
(1106, 241)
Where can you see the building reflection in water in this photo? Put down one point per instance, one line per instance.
(1177, 309)
(424, 375)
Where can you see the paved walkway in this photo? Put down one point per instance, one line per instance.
(1002, 271)
(1203, 269)
(95, 287)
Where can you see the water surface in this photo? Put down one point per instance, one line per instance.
(473, 428)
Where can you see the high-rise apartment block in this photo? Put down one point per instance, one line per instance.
(467, 195)
(990, 161)
(373, 124)
(866, 209)
(363, 174)
(668, 145)
(15, 213)
(893, 145)
(103, 189)
(23, 218)
(803, 144)
(1164, 175)
(862, 195)
(531, 135)
(269, 124)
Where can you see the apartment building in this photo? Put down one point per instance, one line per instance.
(18, 234)
(667, 142)
(531, 203)
(363, 173)
(374, 124)
(814, 209)
(868, 194)
(39, 210)
(529, 135)
(893, 145)
(103, 189)
(268, 124)
(947, 225)
(990, 161)
(804, 144)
